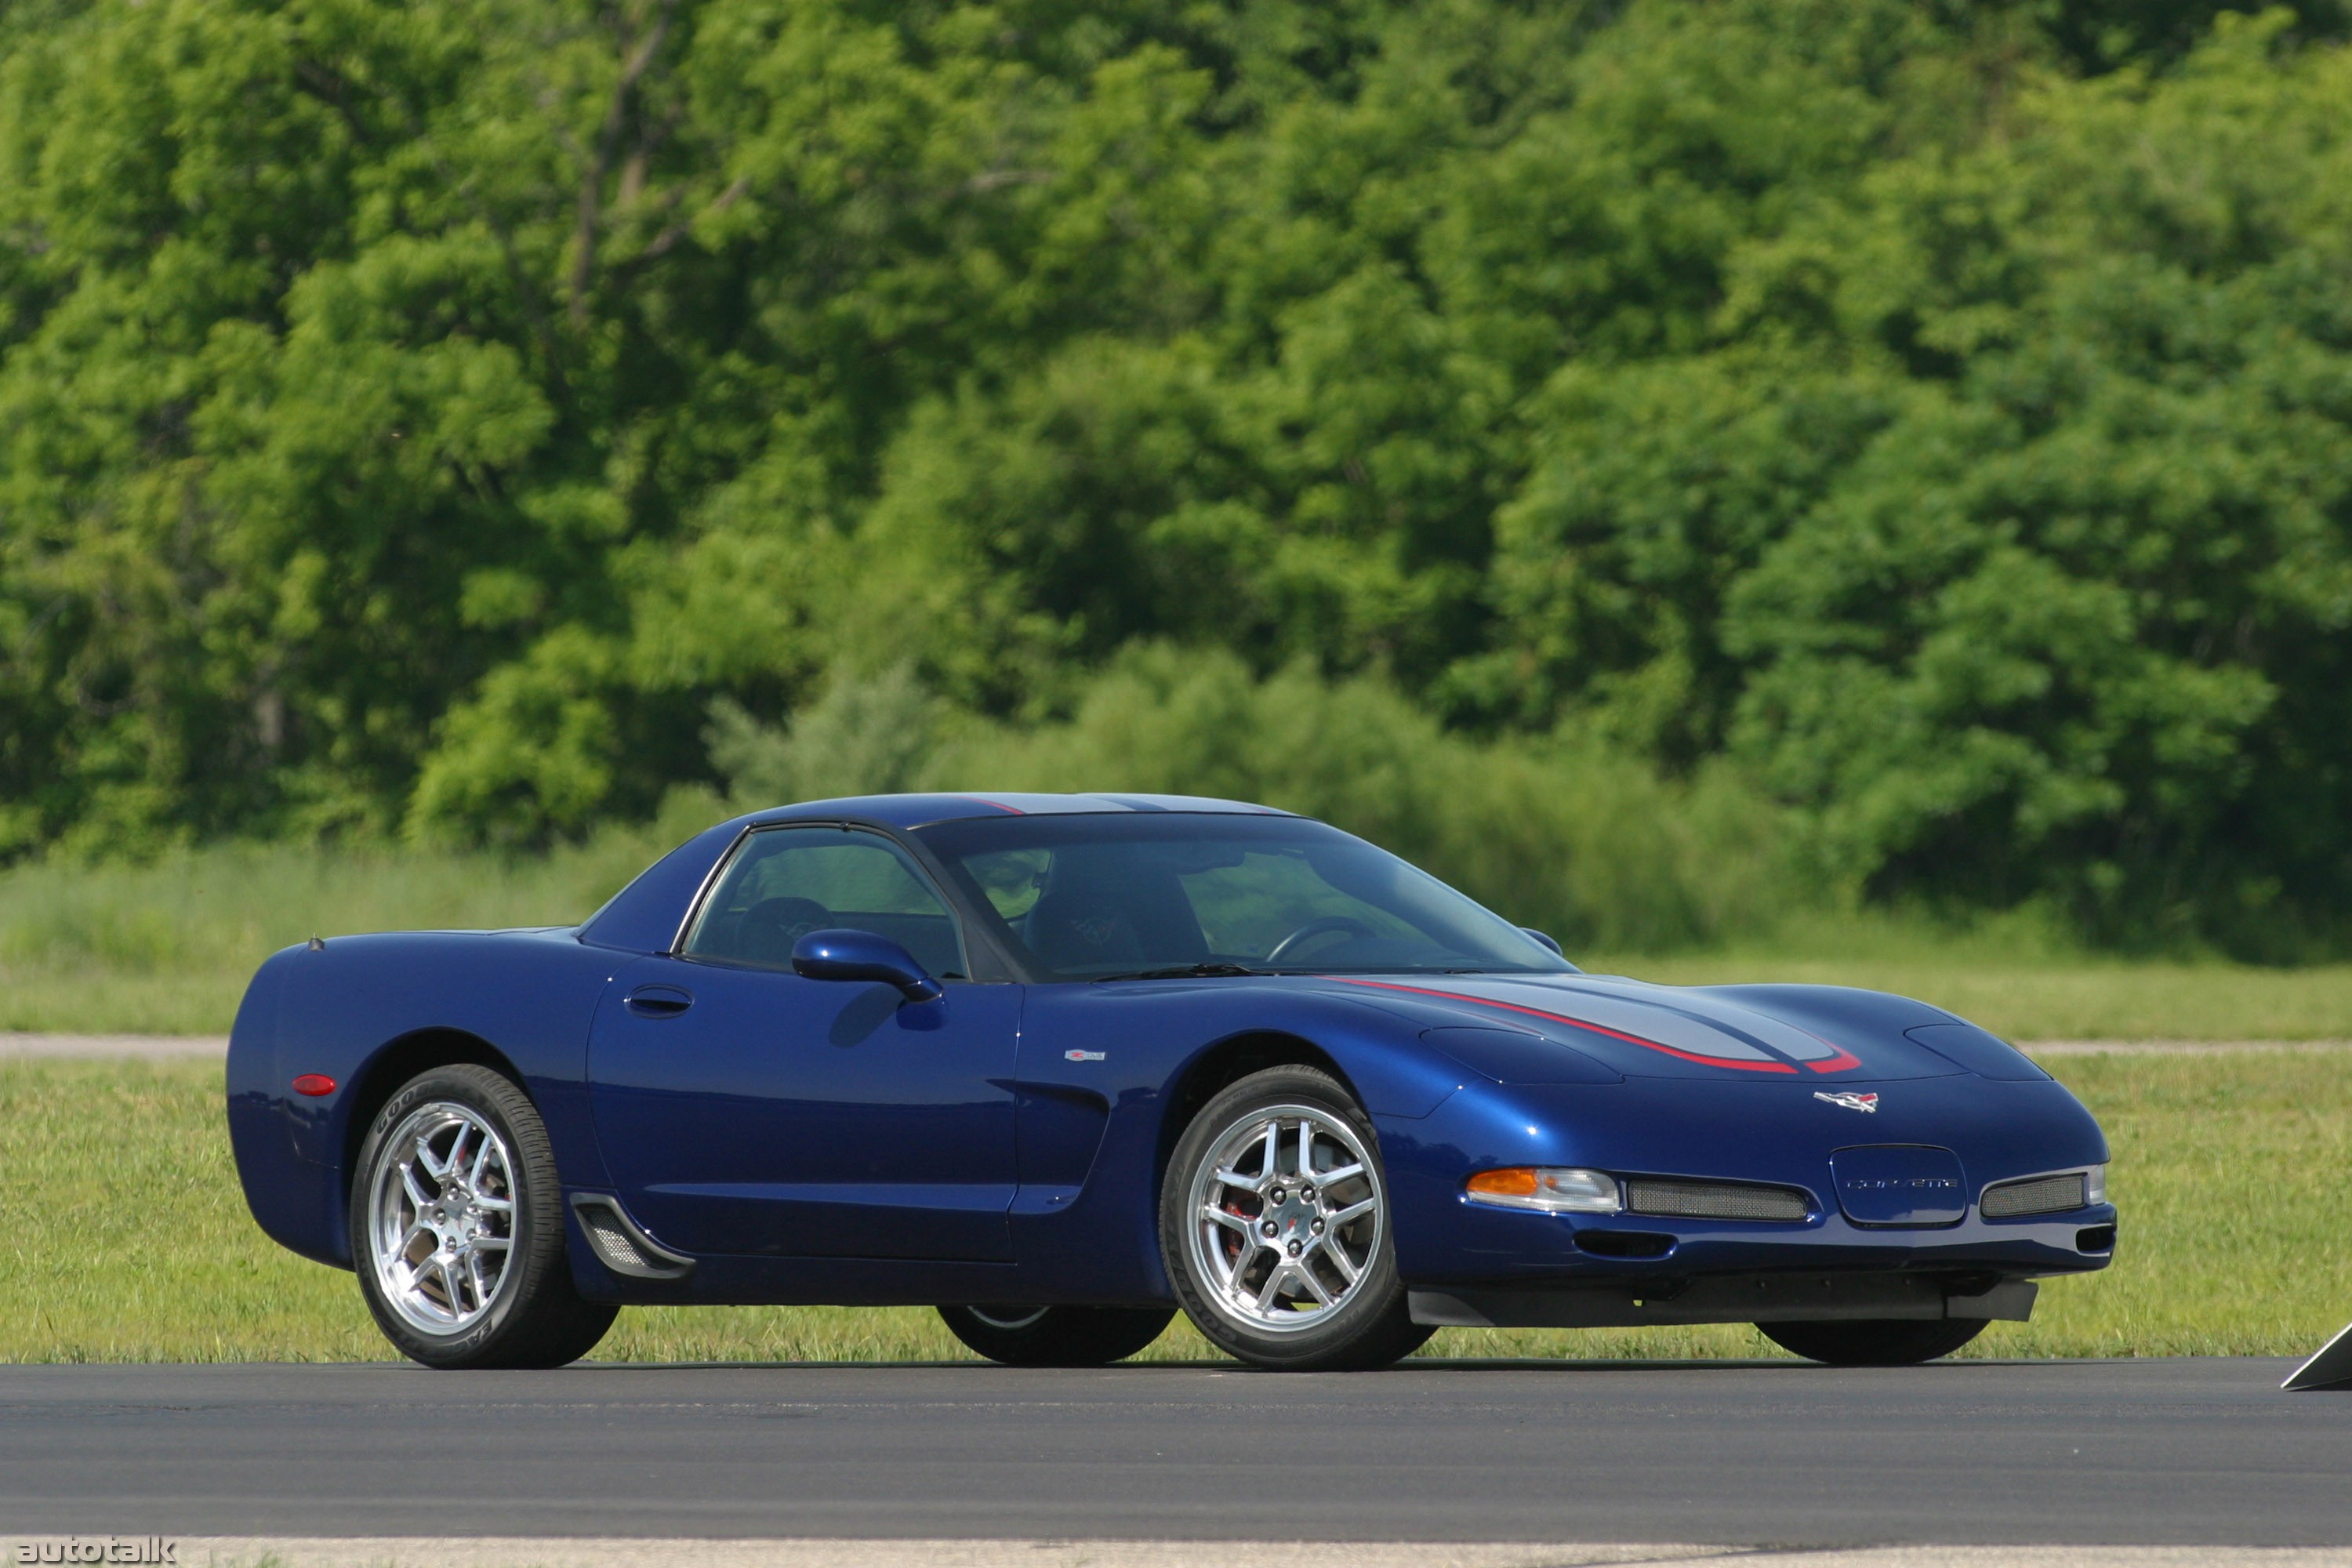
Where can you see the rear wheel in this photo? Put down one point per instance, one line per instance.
(457, 1226)
(1055, 1336)
(1891, 1342)
(1275, 1228)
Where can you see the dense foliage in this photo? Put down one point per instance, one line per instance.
(1937, 417)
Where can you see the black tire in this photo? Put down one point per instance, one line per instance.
(1878, 1342)
(1368, 1325)
(1056, 1336)
(531, 1315)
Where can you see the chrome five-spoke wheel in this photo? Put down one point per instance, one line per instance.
(1286, 1218)
(441, 1228)
(457, 1228)
(1275, 1227)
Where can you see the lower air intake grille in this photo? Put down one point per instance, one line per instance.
(2044, 1194)
(620, 1245)
(615, 1246)
(1714, 1199)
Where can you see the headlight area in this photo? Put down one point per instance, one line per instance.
(1553, 1189)
(1549, 1189)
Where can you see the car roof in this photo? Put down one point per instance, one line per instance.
(916, 810)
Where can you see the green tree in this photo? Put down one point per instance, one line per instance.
(414, 418)
(2006, 530)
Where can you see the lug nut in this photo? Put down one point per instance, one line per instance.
(1307, 1194)
(1269, 1228)
(1276, 1195)
(1316, 1227)
(1294, 1249)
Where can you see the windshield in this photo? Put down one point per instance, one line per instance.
(1092, 897)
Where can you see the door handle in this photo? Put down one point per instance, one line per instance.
(659, 1001)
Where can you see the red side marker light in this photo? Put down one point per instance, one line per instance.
(314, 1084)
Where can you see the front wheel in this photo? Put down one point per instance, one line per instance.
(1055, 1336)
(1275, 1228)
(1878, 1342)
(457, 1228)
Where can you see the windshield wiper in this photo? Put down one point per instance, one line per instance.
(1188, 971)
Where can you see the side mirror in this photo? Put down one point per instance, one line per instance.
(863, 955)
(1543, 937)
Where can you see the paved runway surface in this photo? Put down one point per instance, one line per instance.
(152, 1047)
(2158, 1451)
(1004, 1552)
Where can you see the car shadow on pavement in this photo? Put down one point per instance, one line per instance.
(1457, 1364)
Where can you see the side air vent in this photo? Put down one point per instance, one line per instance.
(622, 1246)
(2042, 1195)
(1715, 1200)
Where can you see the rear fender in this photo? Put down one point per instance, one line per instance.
(369, 1013)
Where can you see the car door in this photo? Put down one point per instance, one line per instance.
(743, 1108)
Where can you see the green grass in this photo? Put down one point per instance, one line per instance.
(2081, 999)
(166, 947)
(127, 1239)
(2024, 980)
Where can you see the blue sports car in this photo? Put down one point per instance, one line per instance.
(1059, 1065)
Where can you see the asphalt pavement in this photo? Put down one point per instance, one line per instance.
(2183, 1452)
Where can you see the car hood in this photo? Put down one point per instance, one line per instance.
(1754, 1033)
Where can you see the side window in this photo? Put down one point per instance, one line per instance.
(785, 882)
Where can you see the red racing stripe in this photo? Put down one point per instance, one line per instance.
(1581, 1024)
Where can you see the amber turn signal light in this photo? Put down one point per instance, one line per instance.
(1551, 1189)
(1517, 1182)
(314, 1085)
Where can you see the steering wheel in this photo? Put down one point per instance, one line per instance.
(1315, 928)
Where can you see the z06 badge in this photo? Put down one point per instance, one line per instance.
(1851, 1101)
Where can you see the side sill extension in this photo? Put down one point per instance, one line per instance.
(621, 1244)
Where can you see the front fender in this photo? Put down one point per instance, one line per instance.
(1128, 1051)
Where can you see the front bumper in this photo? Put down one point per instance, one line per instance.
(1775, 1297)
(1636, 1270)
(1518, 1266)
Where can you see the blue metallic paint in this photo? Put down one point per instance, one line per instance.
(827, 1140)
(863, 955)
(785, 1116)
(521, 1000)
(1900, 1185)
